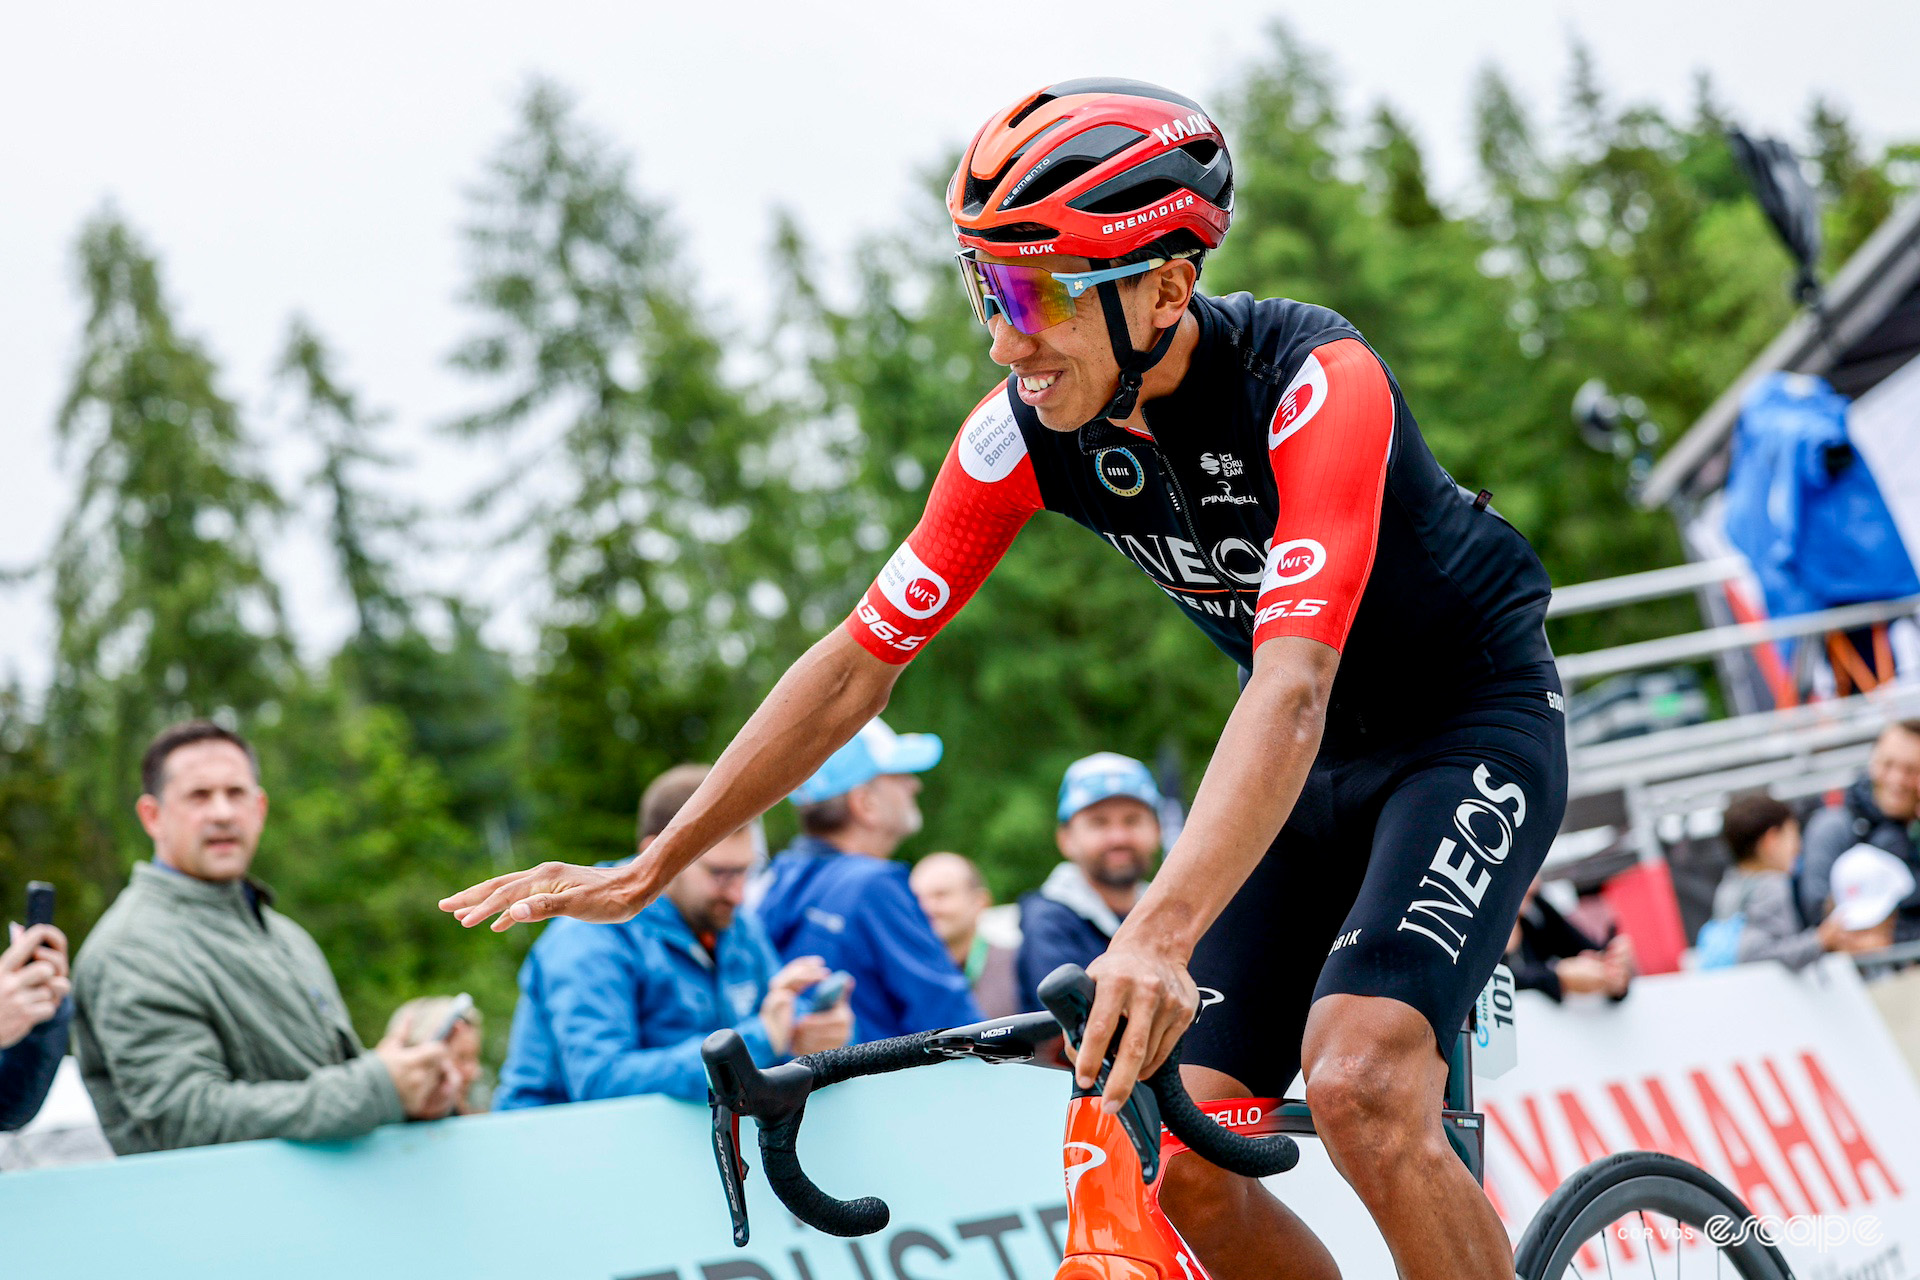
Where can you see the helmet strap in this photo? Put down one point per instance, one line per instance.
(1133, 364)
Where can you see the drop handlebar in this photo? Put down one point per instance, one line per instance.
(776, 1097)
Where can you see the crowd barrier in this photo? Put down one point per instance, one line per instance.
(1788, 1088)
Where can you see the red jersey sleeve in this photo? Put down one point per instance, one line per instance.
(1328, 444)
(984, 493)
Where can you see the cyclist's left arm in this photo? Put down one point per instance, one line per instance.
(1329, 444)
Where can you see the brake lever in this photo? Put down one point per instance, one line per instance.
(736, 1087)
(733, 1169)
(1068, 994)
(726, 1097)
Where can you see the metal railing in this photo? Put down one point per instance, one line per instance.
(1741, 635)
(1792, 752)
(1896, 956)
(1633, 588)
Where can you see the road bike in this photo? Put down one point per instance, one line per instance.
(1116, 1229)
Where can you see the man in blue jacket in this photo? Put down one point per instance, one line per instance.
(833, 892)
(1109, 833)
(612, 1010)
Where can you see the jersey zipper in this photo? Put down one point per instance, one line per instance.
(1178, 497)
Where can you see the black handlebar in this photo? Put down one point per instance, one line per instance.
(777, 1099)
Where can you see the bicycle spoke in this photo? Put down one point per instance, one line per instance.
(1646, 1242)
(1606, 1248)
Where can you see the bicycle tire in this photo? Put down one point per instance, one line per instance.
(1638, 1182)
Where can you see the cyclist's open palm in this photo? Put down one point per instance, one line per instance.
(1152, 990)
(603, 895)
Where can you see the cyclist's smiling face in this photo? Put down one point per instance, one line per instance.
(1068, 372)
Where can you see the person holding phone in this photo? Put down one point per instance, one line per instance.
(454, 1022)
(201, 1013)
(34, 1010)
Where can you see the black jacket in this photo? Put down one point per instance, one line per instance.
(27, 1069)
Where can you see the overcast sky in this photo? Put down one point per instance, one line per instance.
(312, 158)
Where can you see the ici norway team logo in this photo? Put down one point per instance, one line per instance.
(1120, 471)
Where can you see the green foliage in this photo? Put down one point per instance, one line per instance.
(646, 477)
(43, 835)
(455, 692)
(360, 845)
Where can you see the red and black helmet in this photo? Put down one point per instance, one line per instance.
(1093, 168)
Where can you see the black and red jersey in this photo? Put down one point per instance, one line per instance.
(1283, 489)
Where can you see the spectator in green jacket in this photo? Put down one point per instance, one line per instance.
(204, 1015)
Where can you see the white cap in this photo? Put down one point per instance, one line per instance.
(1868, 883)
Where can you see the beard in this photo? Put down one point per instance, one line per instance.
(1119, 875)
(716, 919)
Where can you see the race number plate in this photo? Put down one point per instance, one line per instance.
(1495, 1047)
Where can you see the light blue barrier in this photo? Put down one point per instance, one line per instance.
(968, 1156)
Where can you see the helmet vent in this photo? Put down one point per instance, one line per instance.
(1015, 233)
(1202, 149)
(1136, 197)
(1071, 159)
(1047, 182)
(1039, 100)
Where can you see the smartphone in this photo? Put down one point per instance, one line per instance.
(829, 991)
(39, 903)
(462, 1006)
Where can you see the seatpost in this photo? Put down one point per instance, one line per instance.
(1464, 1127)
(1459, 1095)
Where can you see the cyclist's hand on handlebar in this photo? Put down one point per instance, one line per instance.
(603, 895)
(1152, 990)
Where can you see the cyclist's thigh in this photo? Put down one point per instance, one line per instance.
(1464, 828)
(1256, 966)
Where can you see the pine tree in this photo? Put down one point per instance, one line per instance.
(163, 603)
(651, 483)
(424, 658)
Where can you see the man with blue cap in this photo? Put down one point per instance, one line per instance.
(835, 893)
(1109, 833)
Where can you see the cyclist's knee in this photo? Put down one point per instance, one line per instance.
(1357, 1097)
(1373, 1082)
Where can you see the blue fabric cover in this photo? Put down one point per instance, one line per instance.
(1802, 506)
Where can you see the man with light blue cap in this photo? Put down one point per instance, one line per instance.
(835, 893)
(1109, 833)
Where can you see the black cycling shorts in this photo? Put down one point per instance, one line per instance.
(1399, 874)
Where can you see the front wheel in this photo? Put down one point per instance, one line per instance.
(1641, 1202)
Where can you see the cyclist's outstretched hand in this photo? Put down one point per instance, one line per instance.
(1152, 990)
(603, 895)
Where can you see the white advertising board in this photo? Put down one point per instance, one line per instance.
(1785, 1087)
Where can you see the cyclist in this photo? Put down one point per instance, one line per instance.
(1394, 769)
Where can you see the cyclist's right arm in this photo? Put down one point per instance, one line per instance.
(983, 495)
